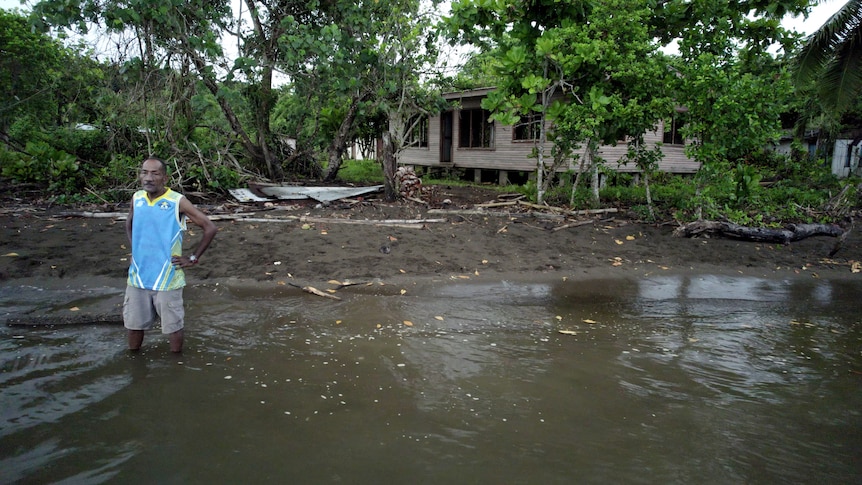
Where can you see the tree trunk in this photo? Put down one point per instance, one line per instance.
(594, 171)
(336, 148)
(253, 150)
(263, 108)
(577, 180)
(263, 100)
(540, 178)
(648, 195)
(389, 164)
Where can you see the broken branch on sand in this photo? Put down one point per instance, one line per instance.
(240, 218)
(497, 204)
(539, 212)
(585, 212)
(315, 291)
(573, 224)
(561, 210)
(476, 212)
(404, 223)
(96, 215)
(370, 222)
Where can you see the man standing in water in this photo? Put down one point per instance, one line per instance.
(157, 219)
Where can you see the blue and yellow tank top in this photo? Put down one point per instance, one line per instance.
(157, 234)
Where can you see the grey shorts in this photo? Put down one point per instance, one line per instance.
(141, 309)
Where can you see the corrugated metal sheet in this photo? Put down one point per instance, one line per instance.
(295, 192)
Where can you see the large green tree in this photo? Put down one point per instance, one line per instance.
(294, 37)
(349, 74)
(408, 53)
(46, 85)
(343, 62)
(732, 88)
(31, 65)
(589, 70)
(717, 42)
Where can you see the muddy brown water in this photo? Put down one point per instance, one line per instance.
(668, 379)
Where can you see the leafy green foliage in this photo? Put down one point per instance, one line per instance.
(42, 165)
(30, 67)
(117, 178)
(85, 144)
(590, 69)
(361, 171)
(747, 180)
(796, 193)
(832, 59)
(214, 178)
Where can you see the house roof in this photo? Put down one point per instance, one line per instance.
(470, 93)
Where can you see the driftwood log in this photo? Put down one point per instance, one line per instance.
(785, 235)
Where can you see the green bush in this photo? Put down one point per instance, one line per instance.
(670, 194)
(529, 189)
(115, 180)
(42, 165)
(214, 178)
(623, 194)
(89, 145)
(361, 171)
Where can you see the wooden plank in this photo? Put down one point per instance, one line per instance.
(370, 222)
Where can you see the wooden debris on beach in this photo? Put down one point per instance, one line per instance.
(315, 291)
(249, 217)
(95, 215)
(344, 284)
(515, 203)
(573, 224)
(517, 206)
(371, 222)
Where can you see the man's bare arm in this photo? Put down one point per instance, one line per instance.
(209, 228)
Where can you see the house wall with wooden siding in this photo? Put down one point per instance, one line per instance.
(674, 159)
(504, 155)
(426, 156)
(508, 154)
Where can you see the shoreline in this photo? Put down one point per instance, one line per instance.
(42, 244)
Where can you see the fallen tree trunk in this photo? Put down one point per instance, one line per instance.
(785, 235)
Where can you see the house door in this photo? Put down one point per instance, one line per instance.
(446, 137)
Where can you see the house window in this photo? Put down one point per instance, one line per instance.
(672, 135)
(528, 128)
(418, 134)
(475, 131)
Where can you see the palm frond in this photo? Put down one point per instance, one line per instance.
(821, 46)
(840, 83)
